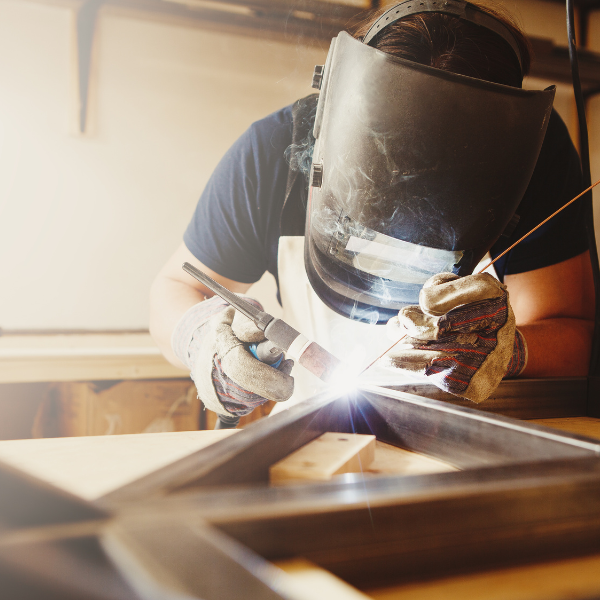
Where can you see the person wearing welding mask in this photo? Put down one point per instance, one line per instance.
(373, 203)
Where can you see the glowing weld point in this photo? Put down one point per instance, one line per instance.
(345, 379)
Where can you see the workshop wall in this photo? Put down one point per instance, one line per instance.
(87, 220)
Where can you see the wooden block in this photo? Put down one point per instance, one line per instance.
(106, 408)
(390, 460)
(328, 455)
(307, 581)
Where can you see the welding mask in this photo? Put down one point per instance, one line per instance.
(415, 171)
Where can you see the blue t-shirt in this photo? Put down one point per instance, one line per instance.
(235, 228)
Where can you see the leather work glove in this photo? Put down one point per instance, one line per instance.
(462, 335)
(210, 340)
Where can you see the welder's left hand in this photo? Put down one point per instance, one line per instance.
(462, 335)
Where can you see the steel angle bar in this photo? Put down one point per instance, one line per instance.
(373, 530)
(520, 398)
(27, 502)
(244, 458)
(461, 436)
(164, 555)
(60, 563)
(464, 437)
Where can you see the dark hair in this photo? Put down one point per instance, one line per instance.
(453, 44)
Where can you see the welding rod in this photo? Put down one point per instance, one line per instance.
(309, 354)
(488, 265)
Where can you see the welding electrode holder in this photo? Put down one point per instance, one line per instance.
(305, 352)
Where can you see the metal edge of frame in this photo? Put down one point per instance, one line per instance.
(520, 398)
(394, 528)
(274, 437)
(246, 457)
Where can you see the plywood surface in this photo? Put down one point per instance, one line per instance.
(307, 581)
(28, 358)
(587, 426)
(92, 466)
(575, 579)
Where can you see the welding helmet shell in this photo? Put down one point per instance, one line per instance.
(415, 171)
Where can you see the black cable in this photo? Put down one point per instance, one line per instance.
(584, 152)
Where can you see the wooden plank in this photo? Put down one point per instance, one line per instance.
(328, 455)
(574, 579)
(587, 426)
(390, 460)
(307, 581)
(92, 466)
(25, 358)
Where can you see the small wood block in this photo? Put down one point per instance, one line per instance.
(328, 455)
(307, 581)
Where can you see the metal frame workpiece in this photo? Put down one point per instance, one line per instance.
(208, 525)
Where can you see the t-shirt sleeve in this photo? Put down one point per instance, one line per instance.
(229, 231)
(556, 180)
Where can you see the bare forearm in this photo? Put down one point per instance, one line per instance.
(169, 300)
(557, 347)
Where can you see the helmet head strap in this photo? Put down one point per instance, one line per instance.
(464, 10)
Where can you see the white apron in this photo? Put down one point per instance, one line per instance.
(353, 342)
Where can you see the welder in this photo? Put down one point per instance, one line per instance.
(373, 201)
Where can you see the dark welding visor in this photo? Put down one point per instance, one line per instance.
(415, 171)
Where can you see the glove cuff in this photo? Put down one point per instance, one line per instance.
(518, 361)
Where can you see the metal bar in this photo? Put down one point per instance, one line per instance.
(462, 436)
(244, 458)
(373, 530)
(520, 398)
(26, 502)
(166, 556)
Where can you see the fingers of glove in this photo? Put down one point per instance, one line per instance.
(245, 329)
(415, 360)
(485, 316)
(286, 366)
(256, 377)
(417, 324)
(439, 298)
(440, 278)
(394, 330)
(225, 317)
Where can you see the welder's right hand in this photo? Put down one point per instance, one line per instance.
(211, 340)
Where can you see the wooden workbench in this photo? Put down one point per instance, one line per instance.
(93, 466)
(89, 357)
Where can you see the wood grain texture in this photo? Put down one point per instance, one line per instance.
(328, 455)
(574, 579)
(390, 460)
(307, 581)
(92, 466)
(587, 426)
